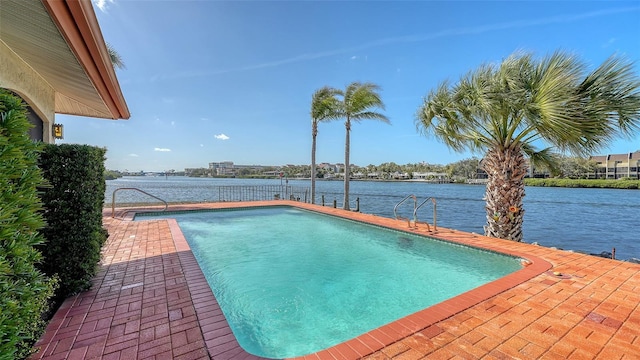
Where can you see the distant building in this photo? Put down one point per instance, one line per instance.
(439, 177)
(399, 175)
(611, 166)
(328, 167)
(617, 166)
(222, 168)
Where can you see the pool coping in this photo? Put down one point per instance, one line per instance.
(221, 342)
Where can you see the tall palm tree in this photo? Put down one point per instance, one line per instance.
(358, 103)
(324, 107)
(507, 109)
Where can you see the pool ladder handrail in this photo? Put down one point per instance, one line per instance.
(415, 214)
(113, 201)
(395, 208)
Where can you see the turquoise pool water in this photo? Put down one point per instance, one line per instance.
(292, 282)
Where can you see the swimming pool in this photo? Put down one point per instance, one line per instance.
(300, 281)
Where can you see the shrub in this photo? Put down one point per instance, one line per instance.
(24, 290)
(584, 183)
(73, 212)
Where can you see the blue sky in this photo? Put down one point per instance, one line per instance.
(210, 81)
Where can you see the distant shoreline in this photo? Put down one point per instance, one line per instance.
(585, 183)
(548, 182)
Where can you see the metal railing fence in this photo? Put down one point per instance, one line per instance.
(262, 192)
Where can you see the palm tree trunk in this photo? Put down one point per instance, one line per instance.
(505, 190)
(314, 132)
(345, 205)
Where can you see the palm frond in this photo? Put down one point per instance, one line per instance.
(371, 115)
(612, 95)
(359, 101)
(115, 57)
(545, 158)
(522, 99)
(324, 105)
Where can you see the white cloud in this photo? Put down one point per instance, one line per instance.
(133, 155)
(222, 137)
(103, 5)
(354, 57)
(201, 145)
(162, 149)
(173, 123)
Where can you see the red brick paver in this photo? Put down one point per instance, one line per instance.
(140, 305)
(150, 301)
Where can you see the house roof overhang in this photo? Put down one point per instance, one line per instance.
(61, 40)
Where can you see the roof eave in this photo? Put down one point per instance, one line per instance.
(77, 22)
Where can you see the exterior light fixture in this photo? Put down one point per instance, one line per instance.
(58, 131)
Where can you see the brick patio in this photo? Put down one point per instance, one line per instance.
(150, 301)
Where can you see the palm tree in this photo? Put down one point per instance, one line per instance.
(506, 109)
(358, 101)
(324, 107)
(116, 59)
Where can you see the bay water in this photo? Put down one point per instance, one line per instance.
(582, 220)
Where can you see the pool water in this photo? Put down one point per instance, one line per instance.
(292, 282)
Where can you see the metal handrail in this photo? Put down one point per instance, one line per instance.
(113, 199)
(415, 213)
(395, 208)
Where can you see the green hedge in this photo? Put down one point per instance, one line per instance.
(584, 183)
(73, 212)
(24, 290)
